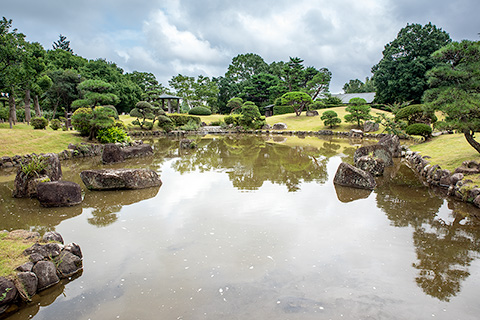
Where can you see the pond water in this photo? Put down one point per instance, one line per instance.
(253, 228)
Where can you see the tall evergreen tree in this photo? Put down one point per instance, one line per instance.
(63, 44)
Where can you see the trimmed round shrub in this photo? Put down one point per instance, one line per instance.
(55, 124)
(357, 101)
(112, 135)
(419, 129)
(182, 119)
(81, 120)
(39, 122)
(165, 123)
(115, 112)
(233, 119)
(200, 111)
(330, 118)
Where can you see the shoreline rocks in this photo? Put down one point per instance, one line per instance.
(114, 179)
(48, 264)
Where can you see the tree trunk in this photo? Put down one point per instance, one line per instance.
(36, 106)
(469, 136)
(12, 117)
(27, 106)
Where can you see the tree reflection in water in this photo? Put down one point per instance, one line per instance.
(445, 249)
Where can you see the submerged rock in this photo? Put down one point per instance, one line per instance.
(349, 176)
(375, 166)
(114, 179)
(374, 151)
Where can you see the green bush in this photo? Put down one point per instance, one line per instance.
(330, 118)
(182, 119)
(4, 113)
(277, 110)
(317, 104)
(112, 135)
(217, 123)
(81, 120)
(190, 126)
(357, 101)
(419, 129)
(165, 123)
(39, 122)
(55, 124)
(415, 113)
(200, 111)
(250, 116)
(114, 111)
(233, 119)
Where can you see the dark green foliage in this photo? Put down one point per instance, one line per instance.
(191, 125)
(95, 92)
(419, 129)
(233, 119)
(34, 166)
(455, 88)
(145, 111)
(235, 104)
(250, 116)
(357, 86)
(81, 121)
(317, 105)
(282, 110)
(330, 118)
(331, 101)
(415, 113)
(3, 113)
(182, 119)
(400, 74)
(165, 123)
(390, 125)
(298, 100)
(358, 114)
(55, 124)
(112, 135)
(39, 123)
(115, 112)
(62, 44)
(357, 101)
(200, 111)
(88, 122)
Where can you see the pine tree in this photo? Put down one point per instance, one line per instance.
(62, 44)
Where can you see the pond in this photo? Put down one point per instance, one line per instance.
(252, 227)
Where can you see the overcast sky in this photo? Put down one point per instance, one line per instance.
(193, 37)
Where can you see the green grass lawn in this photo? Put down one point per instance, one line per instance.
(448, 151)
(23, 139)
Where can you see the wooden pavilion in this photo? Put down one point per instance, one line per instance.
(169, 99)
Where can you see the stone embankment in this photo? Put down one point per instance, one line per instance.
(456, 184)
(49, 260)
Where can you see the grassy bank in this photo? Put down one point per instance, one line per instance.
(448, 151)
(23, 139)
(11, 254)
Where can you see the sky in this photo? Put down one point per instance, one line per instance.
(201, 37)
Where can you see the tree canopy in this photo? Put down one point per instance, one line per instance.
(400, 74)
(455, 88)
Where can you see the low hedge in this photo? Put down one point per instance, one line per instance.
(182, 119)
(277, 110)
(200, 111)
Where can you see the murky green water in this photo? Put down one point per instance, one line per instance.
(253, 228)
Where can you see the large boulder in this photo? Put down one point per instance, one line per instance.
(375, 166)
(374, 151)
(112, 153)
(25, 184)
(312, 113)
(8, 292)
(392, 143)
(46, 274)
(349, 176)
(27, 284)
(142, 150)
(52, 236)
(68, 264)
(370, 126)
(280, 126)
(114, 179)
(59, 194)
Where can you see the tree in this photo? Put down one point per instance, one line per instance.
(318, 83)
(358, 111)
(250, 116)
(245, 66)
(62, 89)
(144, 111)
(235, 104)
(400, 74)
(12, 49)
(455, 88)
(33, 66)
(195, 92)
(62, 44)
(95, 92)
(330, 118)
(357, 86)
(298, 100)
